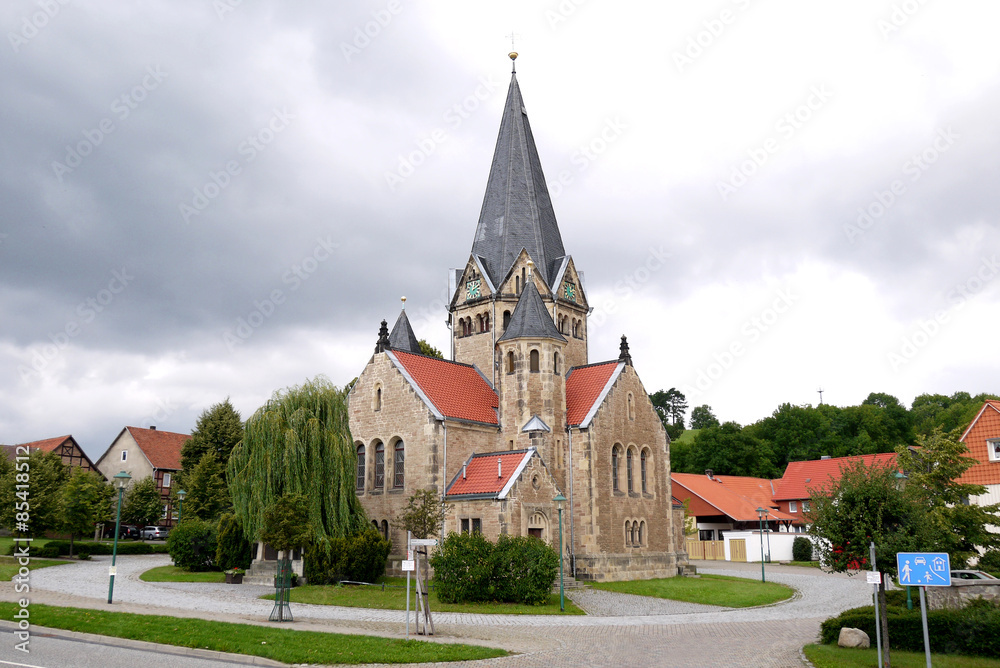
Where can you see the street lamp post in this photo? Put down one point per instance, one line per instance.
(121, 479)
(761, 513)
(560, 499)
(180, 506)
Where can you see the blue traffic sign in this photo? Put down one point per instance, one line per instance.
(924, 569)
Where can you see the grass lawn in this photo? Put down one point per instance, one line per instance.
(365, 596)
(178, 574)
(708, 589)
(805, 564)
(9, 566)
(831, 656)
(275, 643)
(7, 541)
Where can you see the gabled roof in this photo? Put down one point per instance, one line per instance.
(816, 474)
(990, 408)
(987, 426)
(48, 444)
(586, 387)
(449, 389)
(530, 318)
(162, 448)
(734, 496)
(489, 475)
(517, 210)
(402, 336)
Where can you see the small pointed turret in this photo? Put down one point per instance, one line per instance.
(624, 355)
(402, 336)
(530, 318)
(383, 338)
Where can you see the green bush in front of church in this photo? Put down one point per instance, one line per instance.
(359, 558)
(192, 545)
(470, 569)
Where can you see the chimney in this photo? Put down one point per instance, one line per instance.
(152, 427)
(709, 472)
(463, 471)
(499, 468)
(825, 457)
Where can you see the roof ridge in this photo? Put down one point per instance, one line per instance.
(437, 359)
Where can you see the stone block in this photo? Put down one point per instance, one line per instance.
(853, 638)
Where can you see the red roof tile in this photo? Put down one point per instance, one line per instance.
(583, 388)
(48, 444)
(162, 448)
(457, 390)
(734, 496)
(481, 472)
(816, 474)
(985, 426)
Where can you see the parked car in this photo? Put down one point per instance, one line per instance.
(155, 533)
(971, 575)
(129, 531)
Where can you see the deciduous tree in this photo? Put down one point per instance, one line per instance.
(143, 504)
(703, 417)
(218, 430)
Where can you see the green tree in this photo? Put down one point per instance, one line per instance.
(286, 523)
(218, 430)
(702, 417)
(298, 443)
(207, 493)
(234, 550)
(143, 504)
(671, 405)
(934, 469)
(868, 505)
(429, 350)
(730, 450)
(424, 514)
(85, 500)
(45, 474)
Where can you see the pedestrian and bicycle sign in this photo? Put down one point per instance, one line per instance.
(924, 569)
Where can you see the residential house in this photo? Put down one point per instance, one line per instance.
(982, 438)
(143, 453)
(66, 447)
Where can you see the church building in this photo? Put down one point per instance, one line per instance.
(519, 415)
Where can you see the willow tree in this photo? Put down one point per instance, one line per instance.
(298, 443)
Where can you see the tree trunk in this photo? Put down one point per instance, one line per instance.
(884, 621)
(71, 546)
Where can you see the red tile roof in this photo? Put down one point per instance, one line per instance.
(48, 444)
(457, 390)
(985, 426)
(734, 496)
(816, 474)
(584, 386)
(162, 448)
(481, 472)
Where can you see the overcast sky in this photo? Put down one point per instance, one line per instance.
(212, 198)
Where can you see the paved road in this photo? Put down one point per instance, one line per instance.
(618, 629)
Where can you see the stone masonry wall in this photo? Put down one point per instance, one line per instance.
(961, 592)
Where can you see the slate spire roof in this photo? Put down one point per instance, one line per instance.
(530, 318)
(517, 211)
(402, 336)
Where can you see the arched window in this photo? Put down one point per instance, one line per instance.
(631, 407)
(377, 399)
(385, 529)
(635, 533)
(517, 285)
(628, 470)
(380, 466)
(510, 361)
(533, 357)
(576, 328)
(615, 454)
(483, 327)
(642, 470)
(397, 468)
(375, 524)
(642, 533)
(486, 322)
(506, 319)
(361, 468)
(555, 363)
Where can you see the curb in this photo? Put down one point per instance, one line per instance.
(144, 646)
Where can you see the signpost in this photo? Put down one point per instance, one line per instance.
(423, 601)
(924, 569)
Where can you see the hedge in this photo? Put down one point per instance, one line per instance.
(59, 548)
(974, 630)
(192, 545)
(233, 549)
(802, 549)
(360, 558)
(469, 568)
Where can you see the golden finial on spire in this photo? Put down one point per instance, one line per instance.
(403, 299)
(513, 57)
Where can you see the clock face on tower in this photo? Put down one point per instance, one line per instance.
(569, 291)
(473, 289)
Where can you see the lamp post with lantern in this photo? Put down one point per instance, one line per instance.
(762, 513)
(121, 480)
(180, 504)
(560, 499)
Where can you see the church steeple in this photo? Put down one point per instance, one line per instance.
(402, 336)
(517, 210)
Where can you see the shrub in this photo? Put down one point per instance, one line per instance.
(192, 545)
(360, 558)
(234, 550)
(973, 630)
(469, 568)
(802, 549)
(990, 562)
